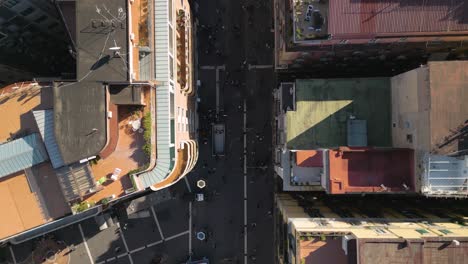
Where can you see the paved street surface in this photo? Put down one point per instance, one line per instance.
(162, 232)
(235, 59)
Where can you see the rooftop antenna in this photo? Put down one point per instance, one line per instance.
(115, 49)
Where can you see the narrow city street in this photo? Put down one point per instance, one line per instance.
(237, 77)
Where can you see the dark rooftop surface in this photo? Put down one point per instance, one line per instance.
(397, 16)
(79, 108)
(80, 119)
(101, 25)
(125, 94)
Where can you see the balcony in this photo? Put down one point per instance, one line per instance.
(182, 50)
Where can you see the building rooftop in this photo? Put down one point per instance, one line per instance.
(20, 206)
(21, 154)
(430, 115)
(80, 120)
(426, 250)
(128, 155)
(102, 50)
(126, 94)
(448, 110)
(16, 103)
(400, 16)
(100, 29)
(333, 102)
(398, 19)
(380, 230)
(363, 170)
(445, 176)
(45, 123)
(327, 250)
(307, 167)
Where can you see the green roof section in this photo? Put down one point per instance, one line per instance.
(21, 154)
(323, 107)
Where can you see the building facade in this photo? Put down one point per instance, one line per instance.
(175, 107)
(309, 230)
(333, 135)
(390, 36)
(429, 116)
(333, 132)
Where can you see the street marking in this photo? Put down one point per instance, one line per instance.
(125, 242)
(217, 90)
(177, 235)
(157, 222)
(12, 255)
(190, 228)
(102, 262)
(137, 249)
(260, 67)
(122, 255)
(154, 243)
(208, 67)
(217, 68)
(110, 259)
(86, 244)
(245, 182)
(188, 184)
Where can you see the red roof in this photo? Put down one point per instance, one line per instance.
(309, 158)
(365, 170)
(396, 16)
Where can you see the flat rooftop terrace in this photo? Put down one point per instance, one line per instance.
(371, 170)
(323, 107)
(16, 103)
(20, 206)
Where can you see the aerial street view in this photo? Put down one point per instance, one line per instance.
(222, 131)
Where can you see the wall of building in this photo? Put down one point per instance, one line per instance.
(304, 218)
(385, 57)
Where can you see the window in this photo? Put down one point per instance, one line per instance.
(422, 231)
(27, 11)
(170, 10)
(171, 39)
(172, 105)
(409, 138)
(40, 19)
(445, 231)
(171, 68)
(380, 231)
